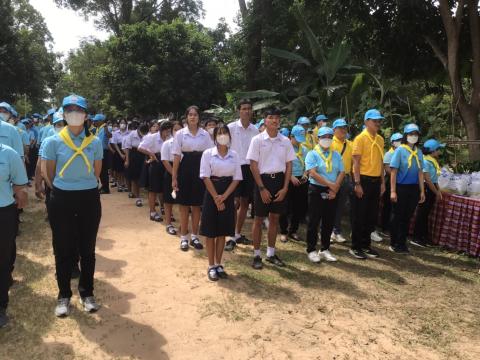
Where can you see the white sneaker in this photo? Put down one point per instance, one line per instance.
(333, 237)
(313, 257)
(375, 237)
(327, 255)
(63, 307)
(283, 238)
(340, 239)
(89, 304)
(266, 223)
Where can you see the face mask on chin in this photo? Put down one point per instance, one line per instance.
(75, 118)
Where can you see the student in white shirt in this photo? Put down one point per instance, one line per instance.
(220, 170)
(271, 155)
(118, 166)
(242, 132)
(191, 142)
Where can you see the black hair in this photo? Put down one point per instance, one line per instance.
(166, 125)
(177, 122)
(143, 129)
(244, 102)
(272, 111)
(134, 125)
(217, 130)
(192, 107)
(427, 151)
(210, 119)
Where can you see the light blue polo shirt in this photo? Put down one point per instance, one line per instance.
(12, 171)
(21, 126)
(31, 136)
(9, 136)
(297, 167)
(24, 136)
(429, 168)
(76, 176)
(387, 157)
(103, 138)
(405, 175)
(313, 160)
(44, 131)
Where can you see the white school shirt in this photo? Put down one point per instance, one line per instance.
(272, 154)
(213, 164)
(119, 136)
(184, 141)
(241, 139)
(132, 140)
(166, 153)
(152, 143)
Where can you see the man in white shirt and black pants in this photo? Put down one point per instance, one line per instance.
(271, 155)
(242, 132)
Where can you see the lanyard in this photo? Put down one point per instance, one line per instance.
(87, 140)
(327, 160)
(413, 154)
(434, 162)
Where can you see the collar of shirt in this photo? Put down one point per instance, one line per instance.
(249, 127)
(265, 136)
(199, 132)
(80, 136)
(215, 153)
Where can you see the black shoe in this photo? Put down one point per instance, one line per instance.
(184, 245)
(399, 249)
(3, 318)
(195, 243)
(418, 243)
(76, 272)
(156, 217)
(221, 272)
(371, 253)
(257, 263)
(243, 240)
(230, 245)
(358, 254)
(212, 274)
(275, 260)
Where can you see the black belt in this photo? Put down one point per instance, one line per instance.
(221, 178)
(370, 178)
(192, 152)
(273, 175)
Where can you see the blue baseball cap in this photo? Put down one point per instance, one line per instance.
(298, 132)
(325, 130)
(409, 128)
(75, 100)
(14, 112)
(285, 132)
(6, 106)
(433, 145)
(260, 123)
(51, 111)
(396, 137)
(303, 120)
(373, 114)
(57, 117)
(321, 117)
(339, 123)
(25, 121)
(37, 116)
(99, 117)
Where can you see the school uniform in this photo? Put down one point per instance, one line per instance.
(241, 139)
(135, 158)
(221, 171)
(272, 156)
(155, 170)
(387, 205)
(328, 164)
(12, 171)
(74, 209)
(408, 162)
(9, 136)
(118, 138)
(297, 196)
(431, 167)
(101, 133)
(365, 209)
(32, 153)
(167, 155)
(190, 187)
(45, 132)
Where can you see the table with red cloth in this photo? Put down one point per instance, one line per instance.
(455, 223)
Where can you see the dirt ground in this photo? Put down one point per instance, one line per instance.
(157, 302)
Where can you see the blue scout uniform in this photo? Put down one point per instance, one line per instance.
(12, 171)
(408, 164)
(315, 160)
(9, 136)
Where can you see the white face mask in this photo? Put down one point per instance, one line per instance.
(223, 139)
(325, 143)
(211, 130)
(396, 144)
(75, 118)
(412, 139)
(58, 129)
(123, 126)
(4, 116)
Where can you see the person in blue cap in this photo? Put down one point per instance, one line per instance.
(13, 179)
(407, 188)
(321, 121)
(260, 125)
(309, 140)
(395, 142)
(46, 124)
(297, 196)
(285, 132)
(369, 184)
(101, 131)
(326, 171)
(431, 171)
(73, 166)
(8, 133)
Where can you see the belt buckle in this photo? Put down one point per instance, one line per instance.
(272, 176)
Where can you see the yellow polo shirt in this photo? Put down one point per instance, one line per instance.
(371, 151)
(337, 145)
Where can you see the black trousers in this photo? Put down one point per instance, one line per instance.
(8, 233)
(74, 218)
(423, 212)
(32, 161)
(320, 209)
(387, 207)
(104, 173)
(402, 212)
(365, 212)
(297, 199)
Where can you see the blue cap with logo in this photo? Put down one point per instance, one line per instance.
(260, 123)
(285, 132)
(339, 123)
(298, 132)
(14, 112)
(325, 130)
(51, 111)
(75, 100)
(303, 120)
(409, 128)
(396, 137)
(99, 117)
(321, 117)
(57, 117)
(433, 145)
(373, 114)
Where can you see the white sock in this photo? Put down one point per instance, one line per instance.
(211, 267)
(237, 236)
(152, 213)
(195, 236)
(270, 251)
(183, 237)
(257, 252)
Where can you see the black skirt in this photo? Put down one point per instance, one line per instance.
(156, 172)
(118, 162)
(214, 222)
(190, 187)
(135, 164)
(167, 187)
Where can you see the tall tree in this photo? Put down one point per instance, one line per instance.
(8, 51)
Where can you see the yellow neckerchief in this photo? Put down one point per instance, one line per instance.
(374, 143)
(434, 162)
(391, 151)
(413, 154)
(87, 140)
(327, 160)
(299, 155)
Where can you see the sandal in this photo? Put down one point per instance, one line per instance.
(196, 244)
(155, 217)
(139, 203)
(131, 196)
(171, 230)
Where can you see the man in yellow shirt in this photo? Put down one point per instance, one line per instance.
(321, 122)
(344, 147)
(369, 181)
(309, 140)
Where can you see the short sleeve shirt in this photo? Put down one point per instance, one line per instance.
(298, 166)
(185, 141)
(315, 161)
(152, 143)
(338, 146)
(9, 136)
(132, 140)
(406, 175)
(12, 171)
(371, 150)
(272, 154)
(213, 164)
(241, 139)
(429, 168)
